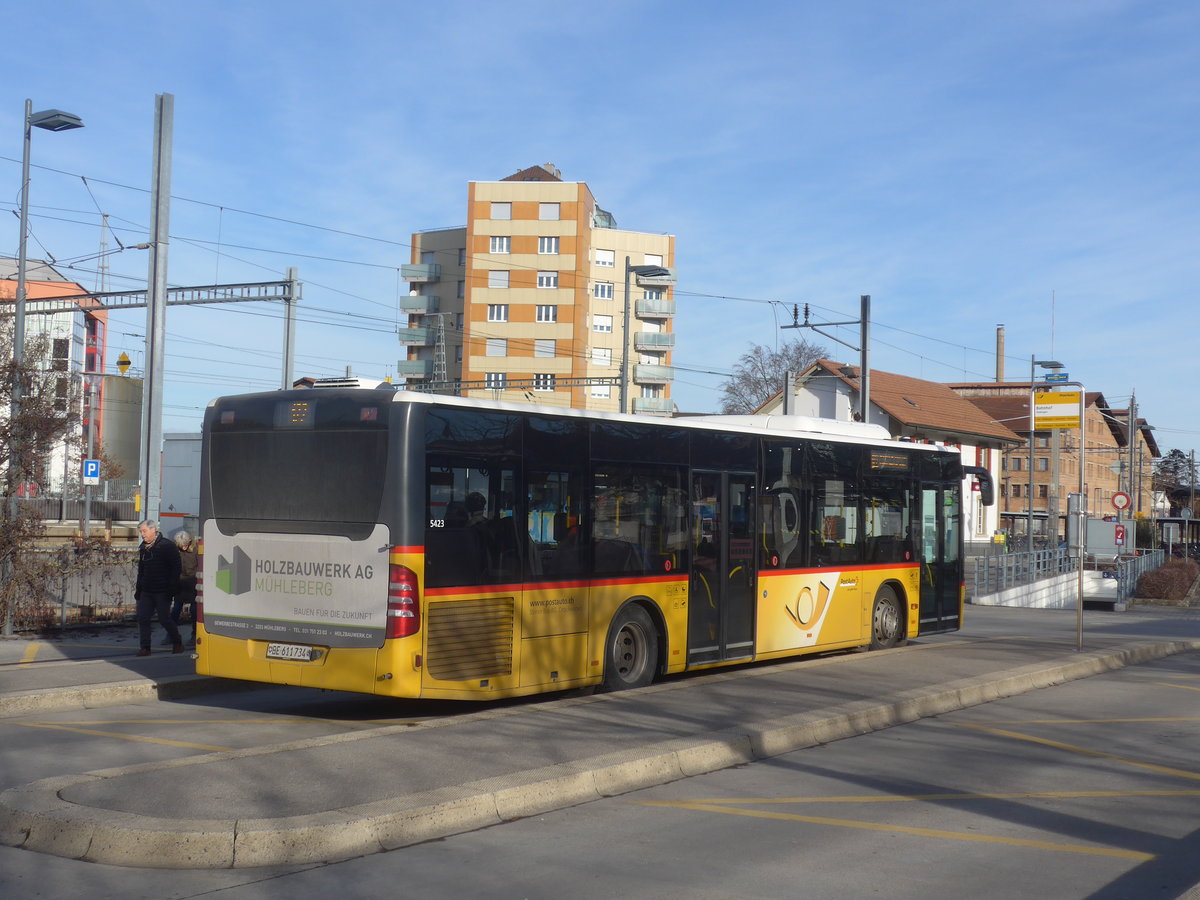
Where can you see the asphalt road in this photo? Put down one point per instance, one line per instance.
(1086, 789)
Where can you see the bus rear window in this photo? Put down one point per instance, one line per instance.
(317, 459)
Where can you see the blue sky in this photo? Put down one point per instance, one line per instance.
(965, 164)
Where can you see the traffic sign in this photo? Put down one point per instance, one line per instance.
(1055, 377)
(91, 471)
(1055, 410)
(1120, 500)
(123, 363)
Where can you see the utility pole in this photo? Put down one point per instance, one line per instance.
(149, 463)
(864, 368)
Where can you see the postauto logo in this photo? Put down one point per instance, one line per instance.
(234, 577)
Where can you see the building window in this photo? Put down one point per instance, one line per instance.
(606, 258)
(652, 293)
(546, 313)
(497, 347)
(497, 312)
(1016, 490)
(601, 391)
(1043, 491)
(501, 210)
(1016, 463)
(500, 244)
(498, 278)
(547, 279)
(548, 212)
(462, 289)
(602, 324)
(543, 348)
(543, 382)
(603, 290)
(653, 259)
(547, 245)
(601, 356)
(495, 380)
(462, 256)
(1043, 464)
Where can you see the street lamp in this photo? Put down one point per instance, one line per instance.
(647, 276)
(51, 120)
(1034, 363)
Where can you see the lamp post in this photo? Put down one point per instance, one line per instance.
(50, 120)
(647, 276)
(1034, 362)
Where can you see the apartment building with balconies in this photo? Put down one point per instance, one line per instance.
(541, 298)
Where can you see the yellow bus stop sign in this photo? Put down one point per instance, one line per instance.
(1055, 410)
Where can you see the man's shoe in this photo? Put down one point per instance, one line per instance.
(145, 651)
(178, 648)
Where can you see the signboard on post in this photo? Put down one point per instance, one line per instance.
(1055, 409)
(91, 471)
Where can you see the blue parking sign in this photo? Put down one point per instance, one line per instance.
(91, 471)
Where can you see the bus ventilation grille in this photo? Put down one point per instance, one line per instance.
(470, 639)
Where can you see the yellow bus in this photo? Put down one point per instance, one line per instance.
(412, 545)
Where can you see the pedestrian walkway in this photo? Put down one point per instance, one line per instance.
(362, 792)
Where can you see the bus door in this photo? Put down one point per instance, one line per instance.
(722, 578)
(939, 550)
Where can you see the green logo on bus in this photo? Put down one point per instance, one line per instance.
(234, 577)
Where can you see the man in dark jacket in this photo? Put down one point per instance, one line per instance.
(157, 583)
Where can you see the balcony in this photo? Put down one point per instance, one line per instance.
(653, 341)
(420, 304)
(414, 368)
(654, 309)
(644, 374)
(654, 405)
(421, 337)
(421, 273)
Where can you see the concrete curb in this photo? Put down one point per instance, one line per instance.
(135, 690)
(36, 817)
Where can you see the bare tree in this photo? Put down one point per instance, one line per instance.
(760, 371)
(48, 414)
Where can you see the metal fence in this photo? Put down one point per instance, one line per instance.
(99, 592)
(112, 500)
(1006, 570)
(1130, 569)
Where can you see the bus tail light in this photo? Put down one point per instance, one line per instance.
(404, 602)
(198, 603)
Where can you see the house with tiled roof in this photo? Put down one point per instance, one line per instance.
(1036, 478)
(911, 409)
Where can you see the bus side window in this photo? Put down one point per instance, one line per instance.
(554, 522)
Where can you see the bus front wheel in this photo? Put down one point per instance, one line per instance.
(887, 622)
(631, 650)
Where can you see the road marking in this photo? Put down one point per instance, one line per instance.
(1084, 751)
(126, 737)
(900, 829)
(941, 798)
(1093, 721)
(1181, 687)
(31, 651)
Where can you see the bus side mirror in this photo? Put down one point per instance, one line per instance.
(987, 490)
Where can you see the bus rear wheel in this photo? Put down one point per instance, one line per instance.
(887, 623)
(631, 650)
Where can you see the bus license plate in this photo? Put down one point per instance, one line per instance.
(290, 651)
